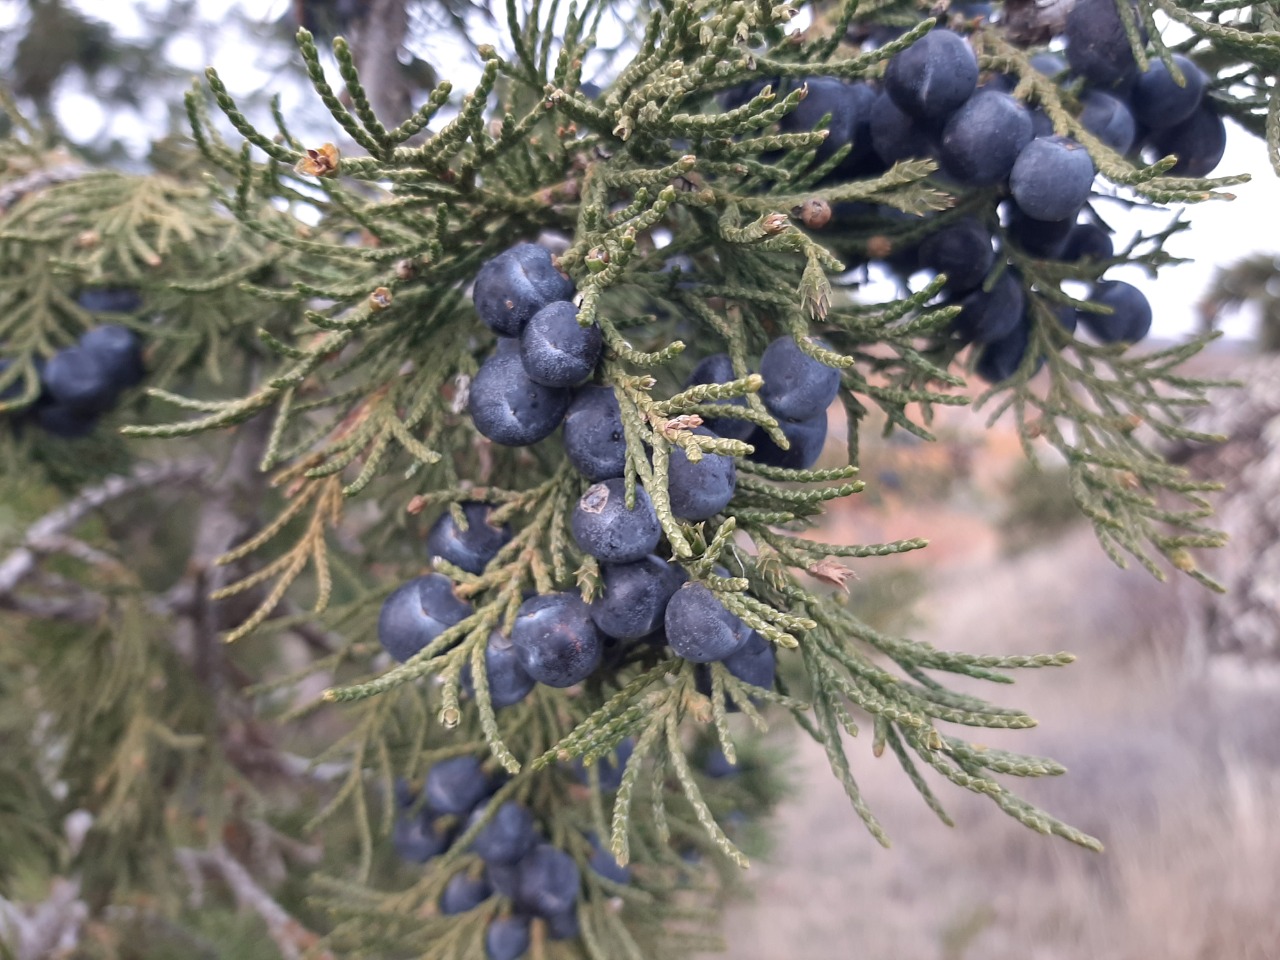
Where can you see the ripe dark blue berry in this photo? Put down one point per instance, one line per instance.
(417, 837)
(825, 95)
(983, 138)
(470, 549)
(989, 316)
(698, 626)
(110, 300)
(606, 529)
(515, 285)
(609, 768)
(699, 490)
(1157, 99)
(717, 765)
(509, 408)
(931, 78)
(1097, 46)
(744, 93)
(895, 135)
(564, 925)
(605, 864)
(1130, 319)
(754, 662)
(594, 440)
(417, 612)
(557, 351)
(456, 785)
(462, 893)
(119, 350)
(1040, 238)
(509, 683)
(548, 881)
(796, 386)
(1087, 240)
(1000, 359)
(556, 640)
(861, 161)
(79, 380)
(1052, 178)
(1068, 316)
(62, 421)
(718, 368)
(504, 878)
(1108, 119)
(961, 250)
(506, 938)
(807, 438)
(634, 596)
(507, 837)
(1198, 142)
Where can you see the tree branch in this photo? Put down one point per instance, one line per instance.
(52, 528)
(293, 940)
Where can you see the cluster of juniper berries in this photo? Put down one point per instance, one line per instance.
(538, 879)
(80, 383)
(934, 103)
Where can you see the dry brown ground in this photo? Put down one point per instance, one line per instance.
(1179, 778)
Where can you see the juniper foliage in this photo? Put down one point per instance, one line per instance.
(311, 346)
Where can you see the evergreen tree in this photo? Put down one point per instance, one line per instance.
(308, 591)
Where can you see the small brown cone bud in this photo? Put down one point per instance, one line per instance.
(815, 213)
(380, 299)
(775, 223)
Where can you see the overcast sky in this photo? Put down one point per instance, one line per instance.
(1222, 232)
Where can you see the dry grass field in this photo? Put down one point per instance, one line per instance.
(1180, 778)
(1178, 773)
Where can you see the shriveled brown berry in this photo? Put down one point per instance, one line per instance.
(815, 213)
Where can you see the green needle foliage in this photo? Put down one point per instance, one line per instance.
(312, 340)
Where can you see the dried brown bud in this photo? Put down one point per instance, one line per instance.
(319, 163)
(380, 299)
(832, 572)
(88, 238)
(686, 421)
(406, 269)
(776, 223)
(815, 213)
(597, 259)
